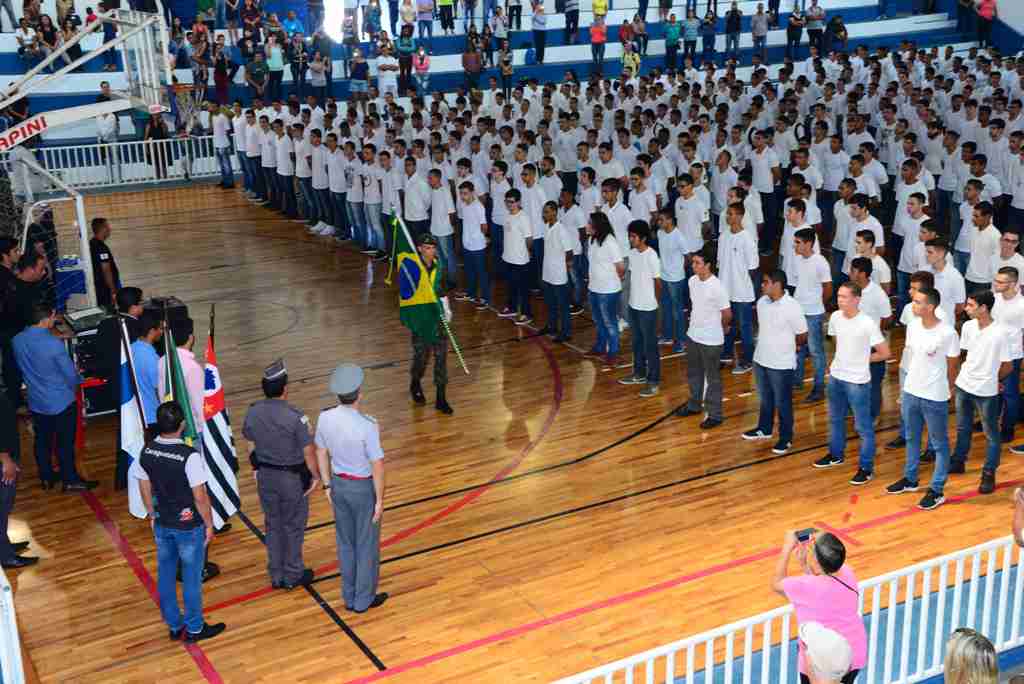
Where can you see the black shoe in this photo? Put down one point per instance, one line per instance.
(685, 411)
(978, 427)
(377, 601)
(575, 310)
(208, 632)
(931, 500)
(862, 477)
(897, 443)
(49, 484)
(441, 404)
(19, 546)
(814, 397)
(828, 461)
(176, 635)
(304, 581)
(277, 584)
(710, 423)
(1006, 437)
(19, 562)
(546, 330)
(416, 389)
(210, 570)
(988, 482)
(900, 486)
(928, 456)
(80, 486)
(957, 469)
(781, 448)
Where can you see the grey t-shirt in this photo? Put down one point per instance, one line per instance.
(759, 25)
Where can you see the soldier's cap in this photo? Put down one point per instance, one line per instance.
(426, 239)
(275, 370)
(346, 379)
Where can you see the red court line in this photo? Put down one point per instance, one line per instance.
(839, 533)
(468, 498)
(207, 669)
(630, 596)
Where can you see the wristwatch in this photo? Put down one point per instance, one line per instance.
(327, 485)
(151, 515)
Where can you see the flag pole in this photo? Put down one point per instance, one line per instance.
(123, 332)
(440, 309)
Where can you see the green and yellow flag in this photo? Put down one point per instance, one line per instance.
(418, 299)
(174, 385)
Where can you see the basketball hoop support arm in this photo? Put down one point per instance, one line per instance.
(30, 128)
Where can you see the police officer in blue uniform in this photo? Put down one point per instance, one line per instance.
(348, 448)
(285, 463)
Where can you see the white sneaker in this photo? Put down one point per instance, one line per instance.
(623, 324)
(327, 230)
(319, 227)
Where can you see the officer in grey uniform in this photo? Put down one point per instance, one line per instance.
(348, 449)
(284, 461)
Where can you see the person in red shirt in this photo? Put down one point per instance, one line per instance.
(987, 13)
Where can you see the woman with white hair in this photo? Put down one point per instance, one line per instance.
(970, 659)
(827, 654)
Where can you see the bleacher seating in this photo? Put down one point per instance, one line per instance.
(861, 17)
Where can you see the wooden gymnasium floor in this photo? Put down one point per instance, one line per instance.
(556, 522)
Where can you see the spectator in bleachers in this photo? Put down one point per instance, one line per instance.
(298, 62)
(109, 33)
(825, 593)
(816, 25)
(691, 31)
(970, 659)
(252, 19)
(314, 16)
(673, 30)
(836, 35)
(640, 37)
(598, 41)
(733, 27)
(32, 11)
(447, 9)
(28, 41)
(827, 654)
(6, 6)
(709, 34)
(987, 13)
(794, 33)
(231, 15)
(51, 40)
(68, 32)
(540, 34)
(472, 65)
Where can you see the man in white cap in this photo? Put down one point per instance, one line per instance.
(348, 448)
(827, 655)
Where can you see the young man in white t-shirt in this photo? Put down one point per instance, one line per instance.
(674, 292)
(988, 361)
(442, 216)
(934, 355)
(881, 274)
(812, 290)
(644, 293)
(554, 274)
(474, 248)
(859, 342)
(518, 241)
(874, 302)
(737, 261)
(784, 329)
(710, 316)
(1008, 310)
(572, 218)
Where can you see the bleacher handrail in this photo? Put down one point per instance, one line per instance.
(1000, 620)
(11, 667)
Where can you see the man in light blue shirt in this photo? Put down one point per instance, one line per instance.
(147, 368)
(52, 381)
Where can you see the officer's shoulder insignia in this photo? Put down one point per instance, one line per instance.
(368, 417)
(304, 419)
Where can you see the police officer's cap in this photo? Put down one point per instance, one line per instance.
(346, 379)
(426, 239)
(275, 370)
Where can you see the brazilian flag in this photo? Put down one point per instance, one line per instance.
(418, 292)
(174, 385)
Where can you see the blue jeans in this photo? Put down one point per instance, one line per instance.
(58, 430)
(314, 19)
(577, 277)
(354, 211)
(338, 214)
(646, 361)
(446, 246)
(497, 234)
(323, 204)
(877, 376)
(944, 200)
(1011, 401)
(988, 409)
(842, 398)
(760, 48)
(188, 547)
(732, 45)
(536, 263)
(307, 203)
(815, 348)
(518, 290)
(374, 229)
(902, 289)
(427, 27)
(604, 308)
(227, 175)
(775, 387)
(673, 318)
(742, 318)
(960, 260)
(838, 277)
(556, 299)
(467, 17)
(286, 190)
(917, 413)
(478, 280)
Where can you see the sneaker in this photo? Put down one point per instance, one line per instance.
(901, 486)
(649, 391)
(1017, 449)
(506, 313)
(665, 341)
(368, 250)
(710, 423)
(781, 448)
(930, 500)
(828, 461)
(988, 482)
(482, 306)
(611, 361)
(928, 456)
(862, 477)
(897, 443)
(462, 297)
(623, 325)
(756, 435)
(523, 320)
(814, 397)
(207, 632)
(678, 349)
(957, 468)
(328, 230)
(742, 368)
(633, 380)
(575, 310)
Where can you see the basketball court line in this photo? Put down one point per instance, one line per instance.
(119, 541)
(631, 596)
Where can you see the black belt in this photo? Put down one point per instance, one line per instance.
(301, 469)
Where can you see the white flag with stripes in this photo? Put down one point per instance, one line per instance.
(218, 445)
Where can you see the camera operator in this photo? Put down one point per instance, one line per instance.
(825, 593)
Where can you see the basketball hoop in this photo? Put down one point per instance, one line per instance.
(187, 102)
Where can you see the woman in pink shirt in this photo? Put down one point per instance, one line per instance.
(826, 593)
(987, 13)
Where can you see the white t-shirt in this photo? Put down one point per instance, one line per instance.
(604, 278)
(320, 156)
(1010, 313)
(285, 166)
(642, 205)
(441, 209)
(952, 289)
(387, 78)
(926, 367)
(417, 199)
(221, 131)
(986, 350)
(517, 231)
(811, 272)
(875, 303)
(984, 252)
(473, 215)
(854, 339)
(689, 221)
(673, 252)
(737, 257)
(707, 300)
(644, 267)
(557, 242)
(762, 164)
(302, 152)
(372, 177)
(776, 341)
(880, 271)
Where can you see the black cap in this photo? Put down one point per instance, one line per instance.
(426, 239)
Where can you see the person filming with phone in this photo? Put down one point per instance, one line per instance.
(826, 592)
